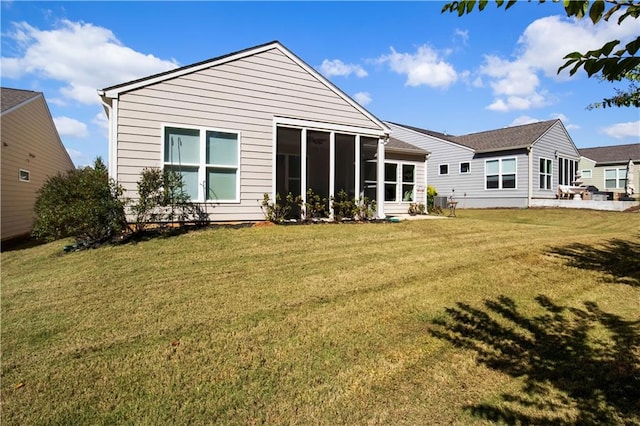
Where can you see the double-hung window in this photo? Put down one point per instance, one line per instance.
(408, 181)
(615, 178)
(500, 173)
(206, 159)
(390, 181)
(546, 171)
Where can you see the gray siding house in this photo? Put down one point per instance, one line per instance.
(509, 167)
(31, 152)
(606, 167)
(252, 122)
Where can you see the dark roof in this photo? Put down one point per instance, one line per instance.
(612, 154)
(494, 140)
(506, 138)
(13, 97)
(188, 66)
(396, 145)
(438, 135)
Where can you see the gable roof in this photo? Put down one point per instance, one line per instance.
(12, 98)
(515, 137)
(114, 91)
(612, 154)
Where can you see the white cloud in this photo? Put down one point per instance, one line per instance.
(623, 130)
(565, 121)
(516, 83)
(523, 119)
(84, 57)
(462, 34)
(70, 127)
(100, 120)
(363, 98)
(424, 67)
(338, 68)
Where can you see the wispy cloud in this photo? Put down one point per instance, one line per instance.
(336, 67)
(425, 67)
(70, 127)
(629, 129)
(363, 98)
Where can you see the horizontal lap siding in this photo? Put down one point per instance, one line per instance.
(30, 142)
(244, 96)
(555, 140)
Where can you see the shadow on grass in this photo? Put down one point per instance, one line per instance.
(619, 258)
(577, 366)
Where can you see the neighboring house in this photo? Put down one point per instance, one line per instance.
(509, 167)
(31, 152)
(238, 126)
(605, 167)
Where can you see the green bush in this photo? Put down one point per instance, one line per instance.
(83, 203)
(280, 210)
(162, 200)
(343, 206)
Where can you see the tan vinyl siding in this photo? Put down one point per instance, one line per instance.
(30, 142)
(241, 96)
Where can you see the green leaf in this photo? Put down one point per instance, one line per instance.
(510, 3)
(482, 4)
(573, 55)
(633, 46)
(596, 11)
(608, 47)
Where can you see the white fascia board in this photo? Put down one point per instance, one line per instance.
(326, 126)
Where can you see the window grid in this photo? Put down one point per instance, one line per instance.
(501, 173)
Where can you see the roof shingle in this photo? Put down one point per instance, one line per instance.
(613, 154)
(10, 98)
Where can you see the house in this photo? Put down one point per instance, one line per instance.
(509, 167)
(252, 122)
(31, 152)
(605, 167)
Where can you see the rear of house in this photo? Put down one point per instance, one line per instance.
(607, 169)
(509, 167)
(245, 124)
(31, 152)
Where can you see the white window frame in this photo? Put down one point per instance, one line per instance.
(20, 175)
(621, 182)
(202, 164)
(440, 169)
(544, 177)
(468, 163)
(586, 173)
(399, 182)
(501, 174)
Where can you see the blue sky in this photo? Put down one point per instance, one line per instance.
(404, 61)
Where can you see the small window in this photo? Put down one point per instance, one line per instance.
(24, 175)
(465, 168)
(546, 172)
(444, 169)
(586, 174)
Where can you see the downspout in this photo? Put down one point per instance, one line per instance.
(530, 173)
(111, 153)
(382, 141)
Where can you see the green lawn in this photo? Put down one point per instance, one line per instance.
(513, 316)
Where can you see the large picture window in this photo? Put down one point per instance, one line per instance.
(500, 173)
(546, 171)
(206, 159)
(615, 178)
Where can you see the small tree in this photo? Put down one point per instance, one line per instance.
(83, 203)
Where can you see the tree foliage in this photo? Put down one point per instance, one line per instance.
(612, 61)
(624, 98)
(83, 203)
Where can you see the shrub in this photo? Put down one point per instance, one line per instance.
(343, 206)
(315, 206)
(163, 200)
(83, 203)
(280, 210)
(366, 209)
(431, 194)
